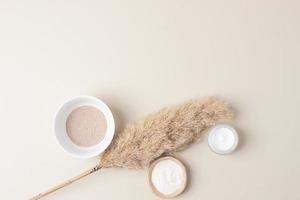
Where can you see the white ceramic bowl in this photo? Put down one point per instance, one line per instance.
(61, 133)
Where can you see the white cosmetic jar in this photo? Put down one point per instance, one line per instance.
(223, 139)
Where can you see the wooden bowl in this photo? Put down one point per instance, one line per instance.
(177, 192)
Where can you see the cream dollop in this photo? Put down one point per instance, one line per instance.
(168, 176)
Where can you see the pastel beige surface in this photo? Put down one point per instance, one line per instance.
(139, 56)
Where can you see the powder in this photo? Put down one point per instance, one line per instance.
(86, 126)
(168, 177)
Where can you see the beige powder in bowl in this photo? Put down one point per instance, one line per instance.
(86, 126)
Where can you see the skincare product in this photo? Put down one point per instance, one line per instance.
(167, 177)
(223, 139)
(86, 126)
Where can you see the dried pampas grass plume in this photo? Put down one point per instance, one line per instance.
(169, 130)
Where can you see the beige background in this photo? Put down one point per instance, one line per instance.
(139, 56)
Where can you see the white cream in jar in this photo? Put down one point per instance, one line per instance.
(223, 139)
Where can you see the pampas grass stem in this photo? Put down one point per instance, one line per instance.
(67, 182)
